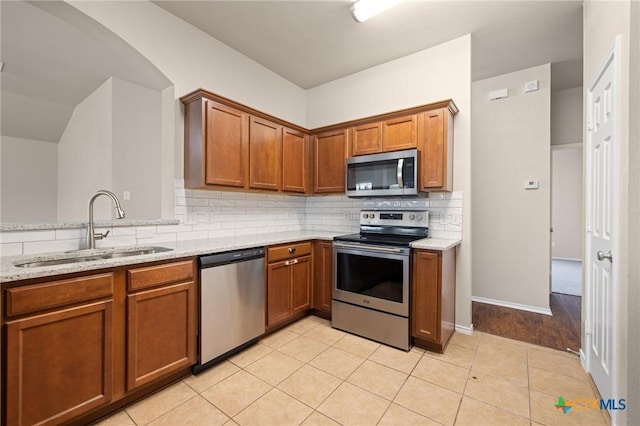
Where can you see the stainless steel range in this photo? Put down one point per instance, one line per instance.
(371, 275)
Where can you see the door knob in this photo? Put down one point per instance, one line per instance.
(602, 256)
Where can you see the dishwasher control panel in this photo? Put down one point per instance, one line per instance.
(210, 260)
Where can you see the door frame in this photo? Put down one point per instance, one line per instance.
(564, 147)
(612, 58)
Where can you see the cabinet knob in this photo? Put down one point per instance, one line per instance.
(292, 250)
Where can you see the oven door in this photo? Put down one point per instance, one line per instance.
(375, 277)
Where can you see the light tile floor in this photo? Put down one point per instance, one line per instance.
(312, 374)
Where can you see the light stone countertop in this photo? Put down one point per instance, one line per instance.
(181, 249)
(442, 244)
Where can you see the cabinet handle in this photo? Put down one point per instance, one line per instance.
(292, 250)
(291, 262)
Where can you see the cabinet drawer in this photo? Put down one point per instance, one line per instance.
(153, 276)
(288, 251)
(38, 297)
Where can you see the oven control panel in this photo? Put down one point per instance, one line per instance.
(419, 218)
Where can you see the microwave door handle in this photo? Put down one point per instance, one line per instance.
(400, 173)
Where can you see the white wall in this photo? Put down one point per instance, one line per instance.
(113, 141)
(84, 156)
(29, 182)
(431, 75)
(434, 74)
(633, 294)
(566, 116)
(137, 148)
(566, 201)
(192, 59)
(511, 144)
(603, 21)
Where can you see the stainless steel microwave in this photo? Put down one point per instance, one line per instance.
(383, 175)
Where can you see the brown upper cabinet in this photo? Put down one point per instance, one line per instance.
(436, 150)
(400, 133)
(330, 150)
(367, 139)
(295, 161)
(225, 145)
(232, 146)
(265, 144)
(384, 136)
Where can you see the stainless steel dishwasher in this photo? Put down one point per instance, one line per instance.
(232, 304)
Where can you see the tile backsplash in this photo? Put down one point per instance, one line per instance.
(214, 214)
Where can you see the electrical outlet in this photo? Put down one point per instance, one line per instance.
(531, 184)
(126, 195)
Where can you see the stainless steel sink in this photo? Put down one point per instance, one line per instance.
(81, 256)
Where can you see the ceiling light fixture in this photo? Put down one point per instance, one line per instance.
(365, 9)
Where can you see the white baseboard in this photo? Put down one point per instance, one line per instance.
(566, 258)
(537, 310)
(464, 330)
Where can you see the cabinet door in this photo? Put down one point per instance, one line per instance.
(161, 332)
(278, 292)
(300, 270)
(295, 161)
(59, 365)
(329, 153)
(264, 154)
(323, 275)
(226, 145)
(367, 139)
(425, 321)
(437, 156)
(400, 133)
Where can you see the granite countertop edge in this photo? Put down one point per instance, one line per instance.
(441, 244)
(180, 249)
(43, 226)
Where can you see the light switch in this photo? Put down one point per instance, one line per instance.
(126, 195)
(531, 184)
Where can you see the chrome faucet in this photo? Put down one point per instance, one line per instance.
(91, 235)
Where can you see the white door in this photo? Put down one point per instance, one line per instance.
(601, 225)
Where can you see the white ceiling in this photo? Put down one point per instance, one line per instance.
(55, 56)
(313, 42)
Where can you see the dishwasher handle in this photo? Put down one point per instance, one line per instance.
(218, 259)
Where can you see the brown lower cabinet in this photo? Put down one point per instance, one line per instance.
(59, 364)
(161, 332)
(322, 276)
(74, 346)
(288, 285)
(433, 298)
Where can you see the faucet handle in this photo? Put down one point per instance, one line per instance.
(100, 236)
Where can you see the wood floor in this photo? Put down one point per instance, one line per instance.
(560, 331)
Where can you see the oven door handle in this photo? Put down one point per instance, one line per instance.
(368, 247)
